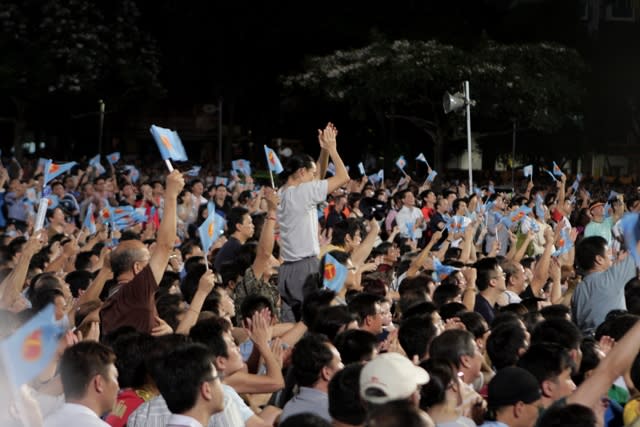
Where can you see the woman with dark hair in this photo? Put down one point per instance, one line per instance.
(298, 218)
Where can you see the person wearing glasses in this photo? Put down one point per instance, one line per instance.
(491, 283)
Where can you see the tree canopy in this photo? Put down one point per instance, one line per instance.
(541, 86)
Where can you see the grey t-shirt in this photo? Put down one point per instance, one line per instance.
(298, 219)
(601, 292)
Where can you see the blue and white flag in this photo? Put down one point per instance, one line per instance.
(30, 349)
(334, 274)
(401, 163)
(423, 159)
(528, 171)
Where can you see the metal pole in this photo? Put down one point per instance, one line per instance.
(101, 127)
(513, 157)
(220, 136)
(467, 98)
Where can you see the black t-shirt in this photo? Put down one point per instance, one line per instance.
(228, 252)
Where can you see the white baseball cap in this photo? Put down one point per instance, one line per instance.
(390, 376)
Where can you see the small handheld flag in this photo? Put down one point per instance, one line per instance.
(334, 273)
(551, 175)
(401, 163)
(331, 168)
(422, 158)
(576, 183)
(89, 221)
(556, 170)
(114, 157)
(442, 271)
(539, 207)
(242, 165)
(53, 170)
(432, 175)
(210, 230)
(169, 144)
(221, 180)
(134, 173)
(528, 171)
(273, 162)
(564, 243)
(95, 163)
(30, 349)
(194, 171)
(361, 169)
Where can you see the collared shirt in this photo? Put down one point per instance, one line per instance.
(155, 412)
(307, 400)
(493, 424)
(74, 414)
(177, 420)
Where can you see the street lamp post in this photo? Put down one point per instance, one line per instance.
(456, 103)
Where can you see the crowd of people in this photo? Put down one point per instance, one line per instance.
(330, 300)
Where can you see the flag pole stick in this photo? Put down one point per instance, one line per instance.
(169, 165)
(271, 175)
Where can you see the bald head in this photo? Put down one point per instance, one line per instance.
(125, 257)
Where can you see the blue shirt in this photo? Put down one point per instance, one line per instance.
(307, 400)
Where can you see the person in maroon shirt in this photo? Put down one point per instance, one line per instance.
(137, 273)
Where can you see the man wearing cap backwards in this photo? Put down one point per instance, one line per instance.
(513, 397)
(391, 377)
(599, 225)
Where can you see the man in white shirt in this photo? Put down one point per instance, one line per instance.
(190, 385)
(90, 382)
(409, 218)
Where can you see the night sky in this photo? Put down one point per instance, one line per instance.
(239, 50)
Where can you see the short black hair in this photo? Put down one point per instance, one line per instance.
(587, 251)
(504, 344)
(364, 305)
(415, 336)
(559, 331)
(573, 415)
(183, 371)
(310, 355)
(330, 320)
(80, 363)
(546, 361)
(355, 345)
(486, 269)
(345, 404)
(234, 217)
